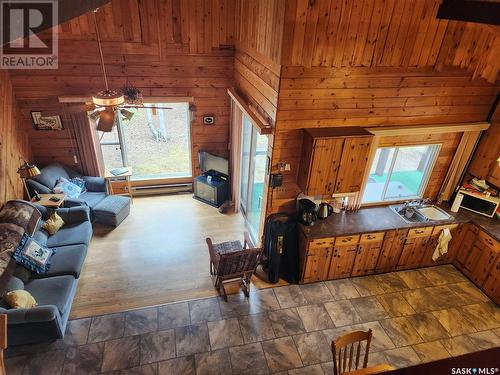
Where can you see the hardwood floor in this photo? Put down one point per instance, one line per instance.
(157, 255)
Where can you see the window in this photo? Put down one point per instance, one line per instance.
(399, 173)
(155, 142)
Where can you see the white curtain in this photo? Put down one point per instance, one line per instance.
(235, 131)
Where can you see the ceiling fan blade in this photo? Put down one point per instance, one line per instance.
(106, 120)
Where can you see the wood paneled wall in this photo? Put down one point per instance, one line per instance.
(373, 33)
(485, 161)
(179, 48)
(257, 66)
(378, 63)
(13, 143)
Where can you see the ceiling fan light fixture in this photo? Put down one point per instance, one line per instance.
(108, 98)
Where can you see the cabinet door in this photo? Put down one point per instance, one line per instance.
(391, 250)
(467, 242)
(353, 164)
(494, 176)
(492, 283)
(484, 264)
(317, 264)
(342, 261)
(413, 252)
(433, 242)
(366, 258)
(472, 259)
(324, 166)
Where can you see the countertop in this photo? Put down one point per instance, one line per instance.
(379, 219)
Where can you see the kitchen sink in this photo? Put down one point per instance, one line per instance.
(421, 213)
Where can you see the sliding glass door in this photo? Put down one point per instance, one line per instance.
(253, 172)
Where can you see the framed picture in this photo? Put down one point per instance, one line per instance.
(46, 122)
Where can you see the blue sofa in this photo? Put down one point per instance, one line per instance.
(54, 291)
(47, 179)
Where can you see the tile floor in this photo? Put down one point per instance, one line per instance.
(416, 316)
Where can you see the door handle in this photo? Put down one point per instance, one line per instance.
(260, 202)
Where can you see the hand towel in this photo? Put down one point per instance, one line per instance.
(442, 245)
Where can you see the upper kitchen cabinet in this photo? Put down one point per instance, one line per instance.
(334, 160)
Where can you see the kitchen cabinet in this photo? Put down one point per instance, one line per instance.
(333, 160)
(414, 248)
(391, 250)
(467, 239)
(367, 254)
(433, 242)
(316, 257)
(344, 254)
(485, 253)
(491, 286)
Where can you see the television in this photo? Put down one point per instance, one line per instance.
(211, 162)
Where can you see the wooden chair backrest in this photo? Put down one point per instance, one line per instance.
(239, 262)
(3, 341)
(346, 351)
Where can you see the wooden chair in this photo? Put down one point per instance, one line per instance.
(344, 357)
(3, 341)
(231, 260)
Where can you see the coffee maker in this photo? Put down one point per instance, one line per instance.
(306, 212)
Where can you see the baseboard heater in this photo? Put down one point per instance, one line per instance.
(163, 189)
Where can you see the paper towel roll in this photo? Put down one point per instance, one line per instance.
(457, 202)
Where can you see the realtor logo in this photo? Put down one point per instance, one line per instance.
(21, 47)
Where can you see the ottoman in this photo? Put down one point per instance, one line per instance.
(112, 210)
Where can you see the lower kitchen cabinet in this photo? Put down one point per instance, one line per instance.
(484, 253)
(414, 248)
(342, 261)
(467, 239)
(433, 242)
(392, 247)
(367, 254)
(317, 264)
(491, 285)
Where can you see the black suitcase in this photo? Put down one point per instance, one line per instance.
(281, 256)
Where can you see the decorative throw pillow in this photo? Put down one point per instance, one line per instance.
(20, 299)
(53, 224)
(78, 181)
(66, 187)
(32, 255)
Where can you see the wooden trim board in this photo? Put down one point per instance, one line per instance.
(262, 125)
(426, 129)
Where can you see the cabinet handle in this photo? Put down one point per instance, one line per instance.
(419, 231)
(370, 237)
(347, 239)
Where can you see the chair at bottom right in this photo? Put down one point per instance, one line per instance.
(348, 349)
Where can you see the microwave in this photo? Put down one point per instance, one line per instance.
(479, 203)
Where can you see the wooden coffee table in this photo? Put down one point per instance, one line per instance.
(46, 202)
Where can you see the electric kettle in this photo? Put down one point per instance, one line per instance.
(324, 210)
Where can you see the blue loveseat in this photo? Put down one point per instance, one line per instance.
(54, 291)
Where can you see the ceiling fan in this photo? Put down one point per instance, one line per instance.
(107, 105)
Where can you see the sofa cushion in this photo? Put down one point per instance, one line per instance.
(92, 198)
(50, 174)
(57, 291)
(68, 260)
(71, 234)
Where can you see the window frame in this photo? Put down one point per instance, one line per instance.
(425, 179)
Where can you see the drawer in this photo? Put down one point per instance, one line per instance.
(420, 232)
(439, 228)
(372, 237)
(347, 240)
(119, 187)
(489, 241)
(321, 242)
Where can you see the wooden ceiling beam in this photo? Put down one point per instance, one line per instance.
(478, 11)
